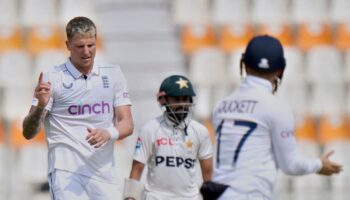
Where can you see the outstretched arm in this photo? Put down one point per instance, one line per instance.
(289, 160)
(33, 121)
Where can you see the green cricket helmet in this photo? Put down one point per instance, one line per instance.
(176, 86)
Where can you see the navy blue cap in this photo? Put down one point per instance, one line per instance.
(265, 54)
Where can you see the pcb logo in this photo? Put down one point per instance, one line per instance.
(138, 143)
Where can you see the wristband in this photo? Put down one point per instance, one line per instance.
(113, 132)
(35, 102)
(132, 189)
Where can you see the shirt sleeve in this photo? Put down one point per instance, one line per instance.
(121, 96)
(205, 146)
(289, 160)
(143, 148)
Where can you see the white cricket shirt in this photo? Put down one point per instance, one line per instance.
(78, 103)
(255, 137)
(171, 154)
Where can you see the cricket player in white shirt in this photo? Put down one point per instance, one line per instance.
(255, 130)
(85, 107)
(171, 145)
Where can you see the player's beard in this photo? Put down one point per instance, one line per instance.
(179, 115)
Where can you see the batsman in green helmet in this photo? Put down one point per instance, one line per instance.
(171, 145)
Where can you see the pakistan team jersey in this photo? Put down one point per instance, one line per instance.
(171, 154)
(255, 137)
(77, 103)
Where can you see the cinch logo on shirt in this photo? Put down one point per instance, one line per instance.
(96, 108)
(175, 161)
(287, 134)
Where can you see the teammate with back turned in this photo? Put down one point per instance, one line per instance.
(171, 145)
(255, 130)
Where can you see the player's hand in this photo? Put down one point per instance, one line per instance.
(97, 137)
(329, 167)
(42, 92)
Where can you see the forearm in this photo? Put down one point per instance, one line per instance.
(136, 170)
(300, 165)
(291, 161)
(125, 128)
(206, 176)
(207, 169)
(123, 121)
(32, 122)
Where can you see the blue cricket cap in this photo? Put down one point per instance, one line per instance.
(265, 54)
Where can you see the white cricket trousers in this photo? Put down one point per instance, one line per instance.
(65, 185)
(230, 194)
(151, 196)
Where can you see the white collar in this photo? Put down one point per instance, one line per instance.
(76, 73)
(254, 81)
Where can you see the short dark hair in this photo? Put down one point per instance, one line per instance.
(80, 25)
